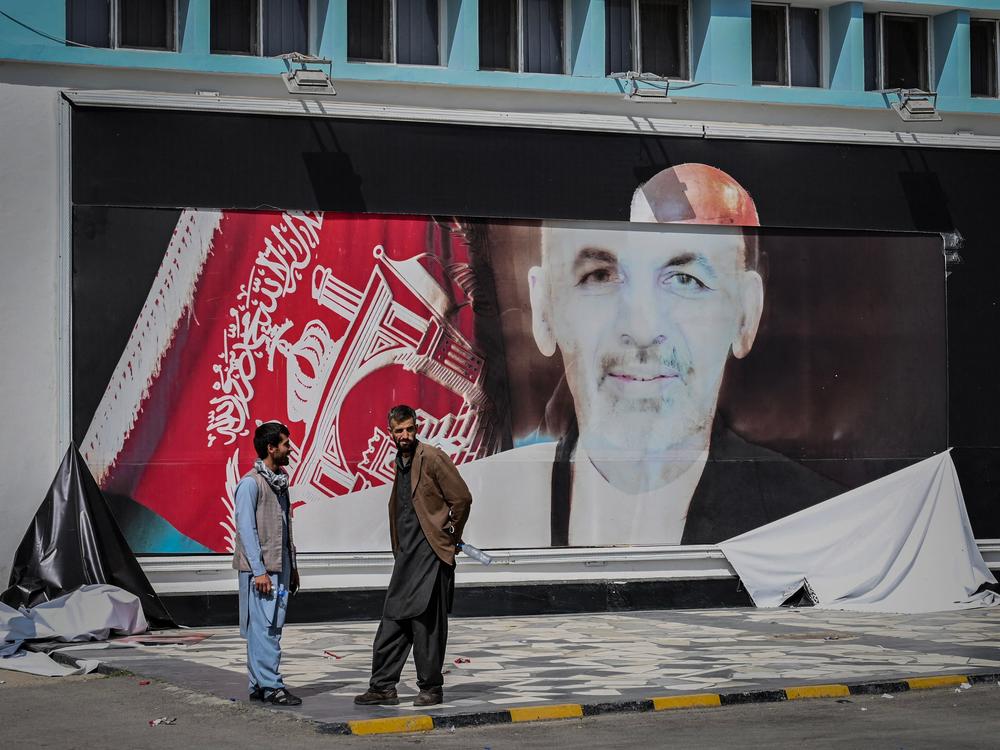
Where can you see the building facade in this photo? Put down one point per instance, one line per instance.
(143, 142)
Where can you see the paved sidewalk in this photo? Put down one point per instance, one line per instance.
(537, 666)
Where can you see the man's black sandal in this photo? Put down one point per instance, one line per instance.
(257, 694)
(281, 697)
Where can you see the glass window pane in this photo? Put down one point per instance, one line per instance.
(803, 46)
(768, 44)
(234, 27)
(871, 51)
(89, 22)
(368, 30)
(983, 54)
(417, 32)
(618, 36)
(497, 35)
(286, 27)
(543, 35)
(146, 24)
(904, 52)
(663, 32)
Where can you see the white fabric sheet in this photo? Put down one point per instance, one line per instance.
(902, 543)
(87, 614)
(44, 665)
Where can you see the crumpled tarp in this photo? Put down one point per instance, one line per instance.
(74, 541)
(902, 543)
(90, 613)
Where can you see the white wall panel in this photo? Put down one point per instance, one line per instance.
(30, 308)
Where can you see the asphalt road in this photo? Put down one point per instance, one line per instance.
(98, 712)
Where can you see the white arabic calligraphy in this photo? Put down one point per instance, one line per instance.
(253, 332)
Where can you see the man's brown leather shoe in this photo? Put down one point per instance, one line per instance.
(429, 697)
(385, 697)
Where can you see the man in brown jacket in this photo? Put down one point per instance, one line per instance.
(428, 508)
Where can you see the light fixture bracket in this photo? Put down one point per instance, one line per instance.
(915, 105)
(651, 91)
(309, 77)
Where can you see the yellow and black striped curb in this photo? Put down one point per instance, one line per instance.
(423, 723)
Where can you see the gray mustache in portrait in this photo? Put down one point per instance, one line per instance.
(645, 364)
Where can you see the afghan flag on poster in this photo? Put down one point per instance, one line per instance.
(320, 321)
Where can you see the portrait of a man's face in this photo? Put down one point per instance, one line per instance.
(645, 321)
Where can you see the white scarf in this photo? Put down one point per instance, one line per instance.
(277, 481)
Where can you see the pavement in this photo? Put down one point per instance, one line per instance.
(513, 669)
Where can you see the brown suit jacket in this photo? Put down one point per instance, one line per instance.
(441, 500)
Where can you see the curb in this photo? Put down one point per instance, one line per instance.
(423, 723)
(102, 668)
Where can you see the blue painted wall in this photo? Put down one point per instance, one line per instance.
(720, 52)
(952, 73)
(846, 47)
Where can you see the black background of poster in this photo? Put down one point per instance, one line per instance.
(174, 159)
(116, 255)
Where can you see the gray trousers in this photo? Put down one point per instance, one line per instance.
(426, 634)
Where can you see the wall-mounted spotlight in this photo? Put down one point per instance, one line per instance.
(952, 241)
(645, 86)
(915, 105)
(308, 77)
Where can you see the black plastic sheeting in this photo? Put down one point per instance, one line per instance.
(73, 541)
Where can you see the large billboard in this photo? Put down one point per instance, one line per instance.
(676, 379)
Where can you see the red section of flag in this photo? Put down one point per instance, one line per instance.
(322, 322)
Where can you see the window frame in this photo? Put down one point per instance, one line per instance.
(880, 58)
(515, 44)
(876, 52)
(567, 66)
(821, 46)
(788, 57)
(518, 45)
(637, 42)
(172, 29)
(257, 42)
(114, 29)
(392, 43)
(996, 58)
(256, 39)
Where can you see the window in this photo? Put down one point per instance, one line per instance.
(904, 52)
(498, 35)
(400, 31)
(803, 46)
(647, 36)
(784, 45)
(983, 57)
(897, 54)
(136, 24)
(259, 27)
(522, 35)
(769, 43)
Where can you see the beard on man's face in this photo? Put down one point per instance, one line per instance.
(640, 399)
(405, 445)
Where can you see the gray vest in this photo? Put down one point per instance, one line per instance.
(270, 520)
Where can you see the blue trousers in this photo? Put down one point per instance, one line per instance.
(261, 621)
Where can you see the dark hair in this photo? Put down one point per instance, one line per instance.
(267, 434)
(401, 413)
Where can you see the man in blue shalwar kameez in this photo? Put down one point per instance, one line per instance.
(265, 557)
